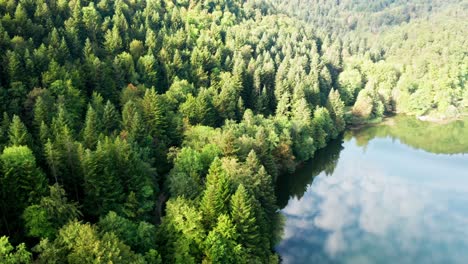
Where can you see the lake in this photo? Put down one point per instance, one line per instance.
(390, 193)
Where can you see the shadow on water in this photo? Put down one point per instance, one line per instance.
(295, 184)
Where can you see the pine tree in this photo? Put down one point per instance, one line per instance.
(128, 114)
(243, 217)
(215, 200)
(221, 243)
(303, 142)
(103, 186)
(83, 243)
(41, 113)
(21, 183)
(67, 159)
(52, 159)
(4, 129)
(113, 41)
(336, 109)
(110, 118)
(185, 178)
(91, 130)
(112, 172)
(155, 114)
(18, 134)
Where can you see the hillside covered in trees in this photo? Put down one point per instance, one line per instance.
(394, 56)
(154, 131)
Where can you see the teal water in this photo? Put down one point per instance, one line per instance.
(394, 193)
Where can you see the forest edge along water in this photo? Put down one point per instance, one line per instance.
(380, 194)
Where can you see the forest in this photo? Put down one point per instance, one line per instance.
(154, 131)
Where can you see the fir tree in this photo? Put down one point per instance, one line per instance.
(18, 134)
(243, 217)
(91, 130)
(215, 200)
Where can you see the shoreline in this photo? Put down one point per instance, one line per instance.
(388, 120)
(441, 121)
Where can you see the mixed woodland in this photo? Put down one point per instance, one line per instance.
(155, 131)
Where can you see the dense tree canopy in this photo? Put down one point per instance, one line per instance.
(162, 126)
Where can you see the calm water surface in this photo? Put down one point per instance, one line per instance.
(394, 193)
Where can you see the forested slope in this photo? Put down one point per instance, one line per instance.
(394, 56)
(153, 131)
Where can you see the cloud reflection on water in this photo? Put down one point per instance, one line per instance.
(367, 212)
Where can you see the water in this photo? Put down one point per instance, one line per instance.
(393, 193)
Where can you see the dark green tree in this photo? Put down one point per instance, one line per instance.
(22, 184)
(43, 220)
(243, 217)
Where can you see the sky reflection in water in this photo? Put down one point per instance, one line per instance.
(384, 203)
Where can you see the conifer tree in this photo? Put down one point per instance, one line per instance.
(243, 217)
(336, 109)
(111, 173)
(41, 113)
(215, 200)
(185, 178)
(18, 134)
(221, 243)
(83, 243)
(91, 130)
(4, 129)
(21, 183)
(155, 114)
(110, 118)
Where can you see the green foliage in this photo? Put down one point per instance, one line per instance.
(200, 109)
(82, 243)
(243, 217)
(185, 178)
(211, 100)
(184, 232)
(216, 195)
(18, 134)
(350, 83)
(221, 243)
(140, 236)
(368, 105)
(90, 131)
(336, 109)
(22, 183)
(42, 220)
(322, 126)
(12, 255)
(111, 173)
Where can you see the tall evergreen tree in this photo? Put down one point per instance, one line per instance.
(221, 243)
(91, 129)
(215, 200)
(22, 183)
(110, 118)
(18, 133)
(243, 217)
(336, 109)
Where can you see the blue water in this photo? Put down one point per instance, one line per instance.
(385, 202)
